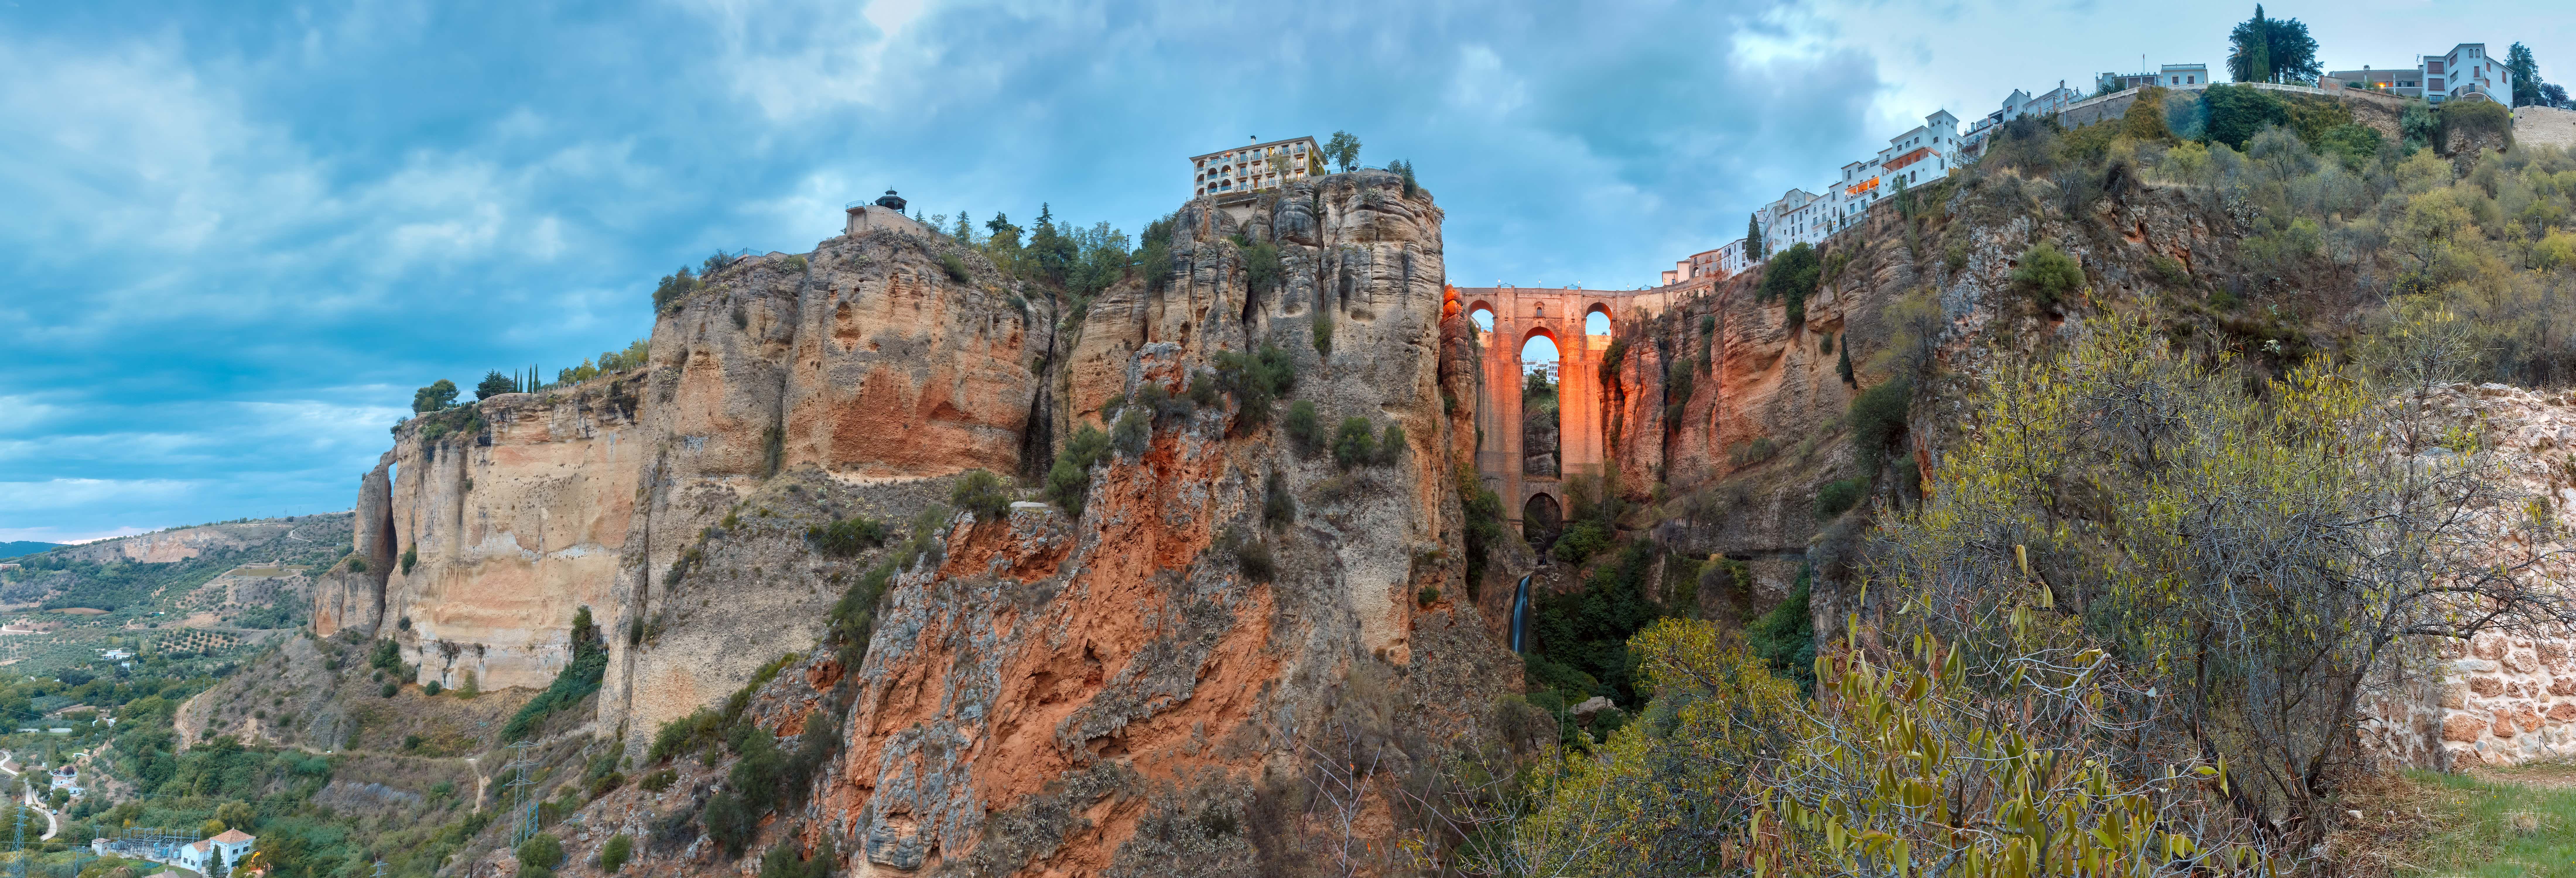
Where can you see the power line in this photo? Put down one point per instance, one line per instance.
(523, 802)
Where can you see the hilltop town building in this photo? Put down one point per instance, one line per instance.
(1254, 168)
(886, 212)
(2466, 72)
(2017, 105)
(2168, 76)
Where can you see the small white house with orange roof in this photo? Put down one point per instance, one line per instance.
(233, 843)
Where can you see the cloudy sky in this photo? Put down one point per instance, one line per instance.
(240, 234)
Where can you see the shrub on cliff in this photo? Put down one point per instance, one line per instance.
(2047, 275)
(1256, 380)
(728, 823)
(1305, 427)
(1581, 540)
(1355, 443)
(578, 679)
(613, 855)
(1278, 504)
(1839, 496)
(982, 493)
(848, 536)
(1877, 418)
(953, 266)
(1069, 481)
(1134, 432)
(783, 862)
(543, 851)
(674, 287)
(1791, 278)
(1785, 636)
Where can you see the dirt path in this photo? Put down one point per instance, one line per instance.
(2539, 776)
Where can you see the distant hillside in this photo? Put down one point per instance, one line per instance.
(25, 547)
(204, 592)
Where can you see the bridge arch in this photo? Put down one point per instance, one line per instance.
(1517, 315)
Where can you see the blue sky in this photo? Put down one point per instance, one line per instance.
(240, 234)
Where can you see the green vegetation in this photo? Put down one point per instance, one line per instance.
(2047, 276)
(1256, 380)
(494, 384)
(1355, 443)
(981, 492)
(1343, 149)
(674, 288)
(1069, 480)
(439, 395)
(848, 536)
(1784, 637)
(1305, 426)
(1324, 333)
(2492, 827)
(613, 855)
(2264, 49)
(579, 679)
(1839, 496)
(954, 267)
(542, 851)
(1791, 278)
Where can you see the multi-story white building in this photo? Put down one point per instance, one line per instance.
(1913, 158)
(2016, 105)
(1797, 218)
(1255, 167)
(2466, 72)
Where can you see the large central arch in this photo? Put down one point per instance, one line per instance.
(1520, 313)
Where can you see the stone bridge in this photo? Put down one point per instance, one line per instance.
(1518, 314)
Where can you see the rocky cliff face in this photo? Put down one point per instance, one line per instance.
(481, 539)
(1739, 413)
(1040, 692)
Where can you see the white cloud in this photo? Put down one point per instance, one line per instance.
(72, 536)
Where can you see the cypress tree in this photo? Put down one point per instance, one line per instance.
(1845, 367)
(1753, 237)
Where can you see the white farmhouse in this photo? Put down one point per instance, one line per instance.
(234, 844)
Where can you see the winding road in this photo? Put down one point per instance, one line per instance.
(53, 822)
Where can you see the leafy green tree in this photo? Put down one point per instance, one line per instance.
(2256, 553)
(2237, 112)
(1344, 149)
(1003, 245)
(439, 395)
(2272, 50)
(1053, 252)
(1753, 237)
(1672, 795)
(2526, 76)
(673, 288)
(494, 384)
(1792, 277)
